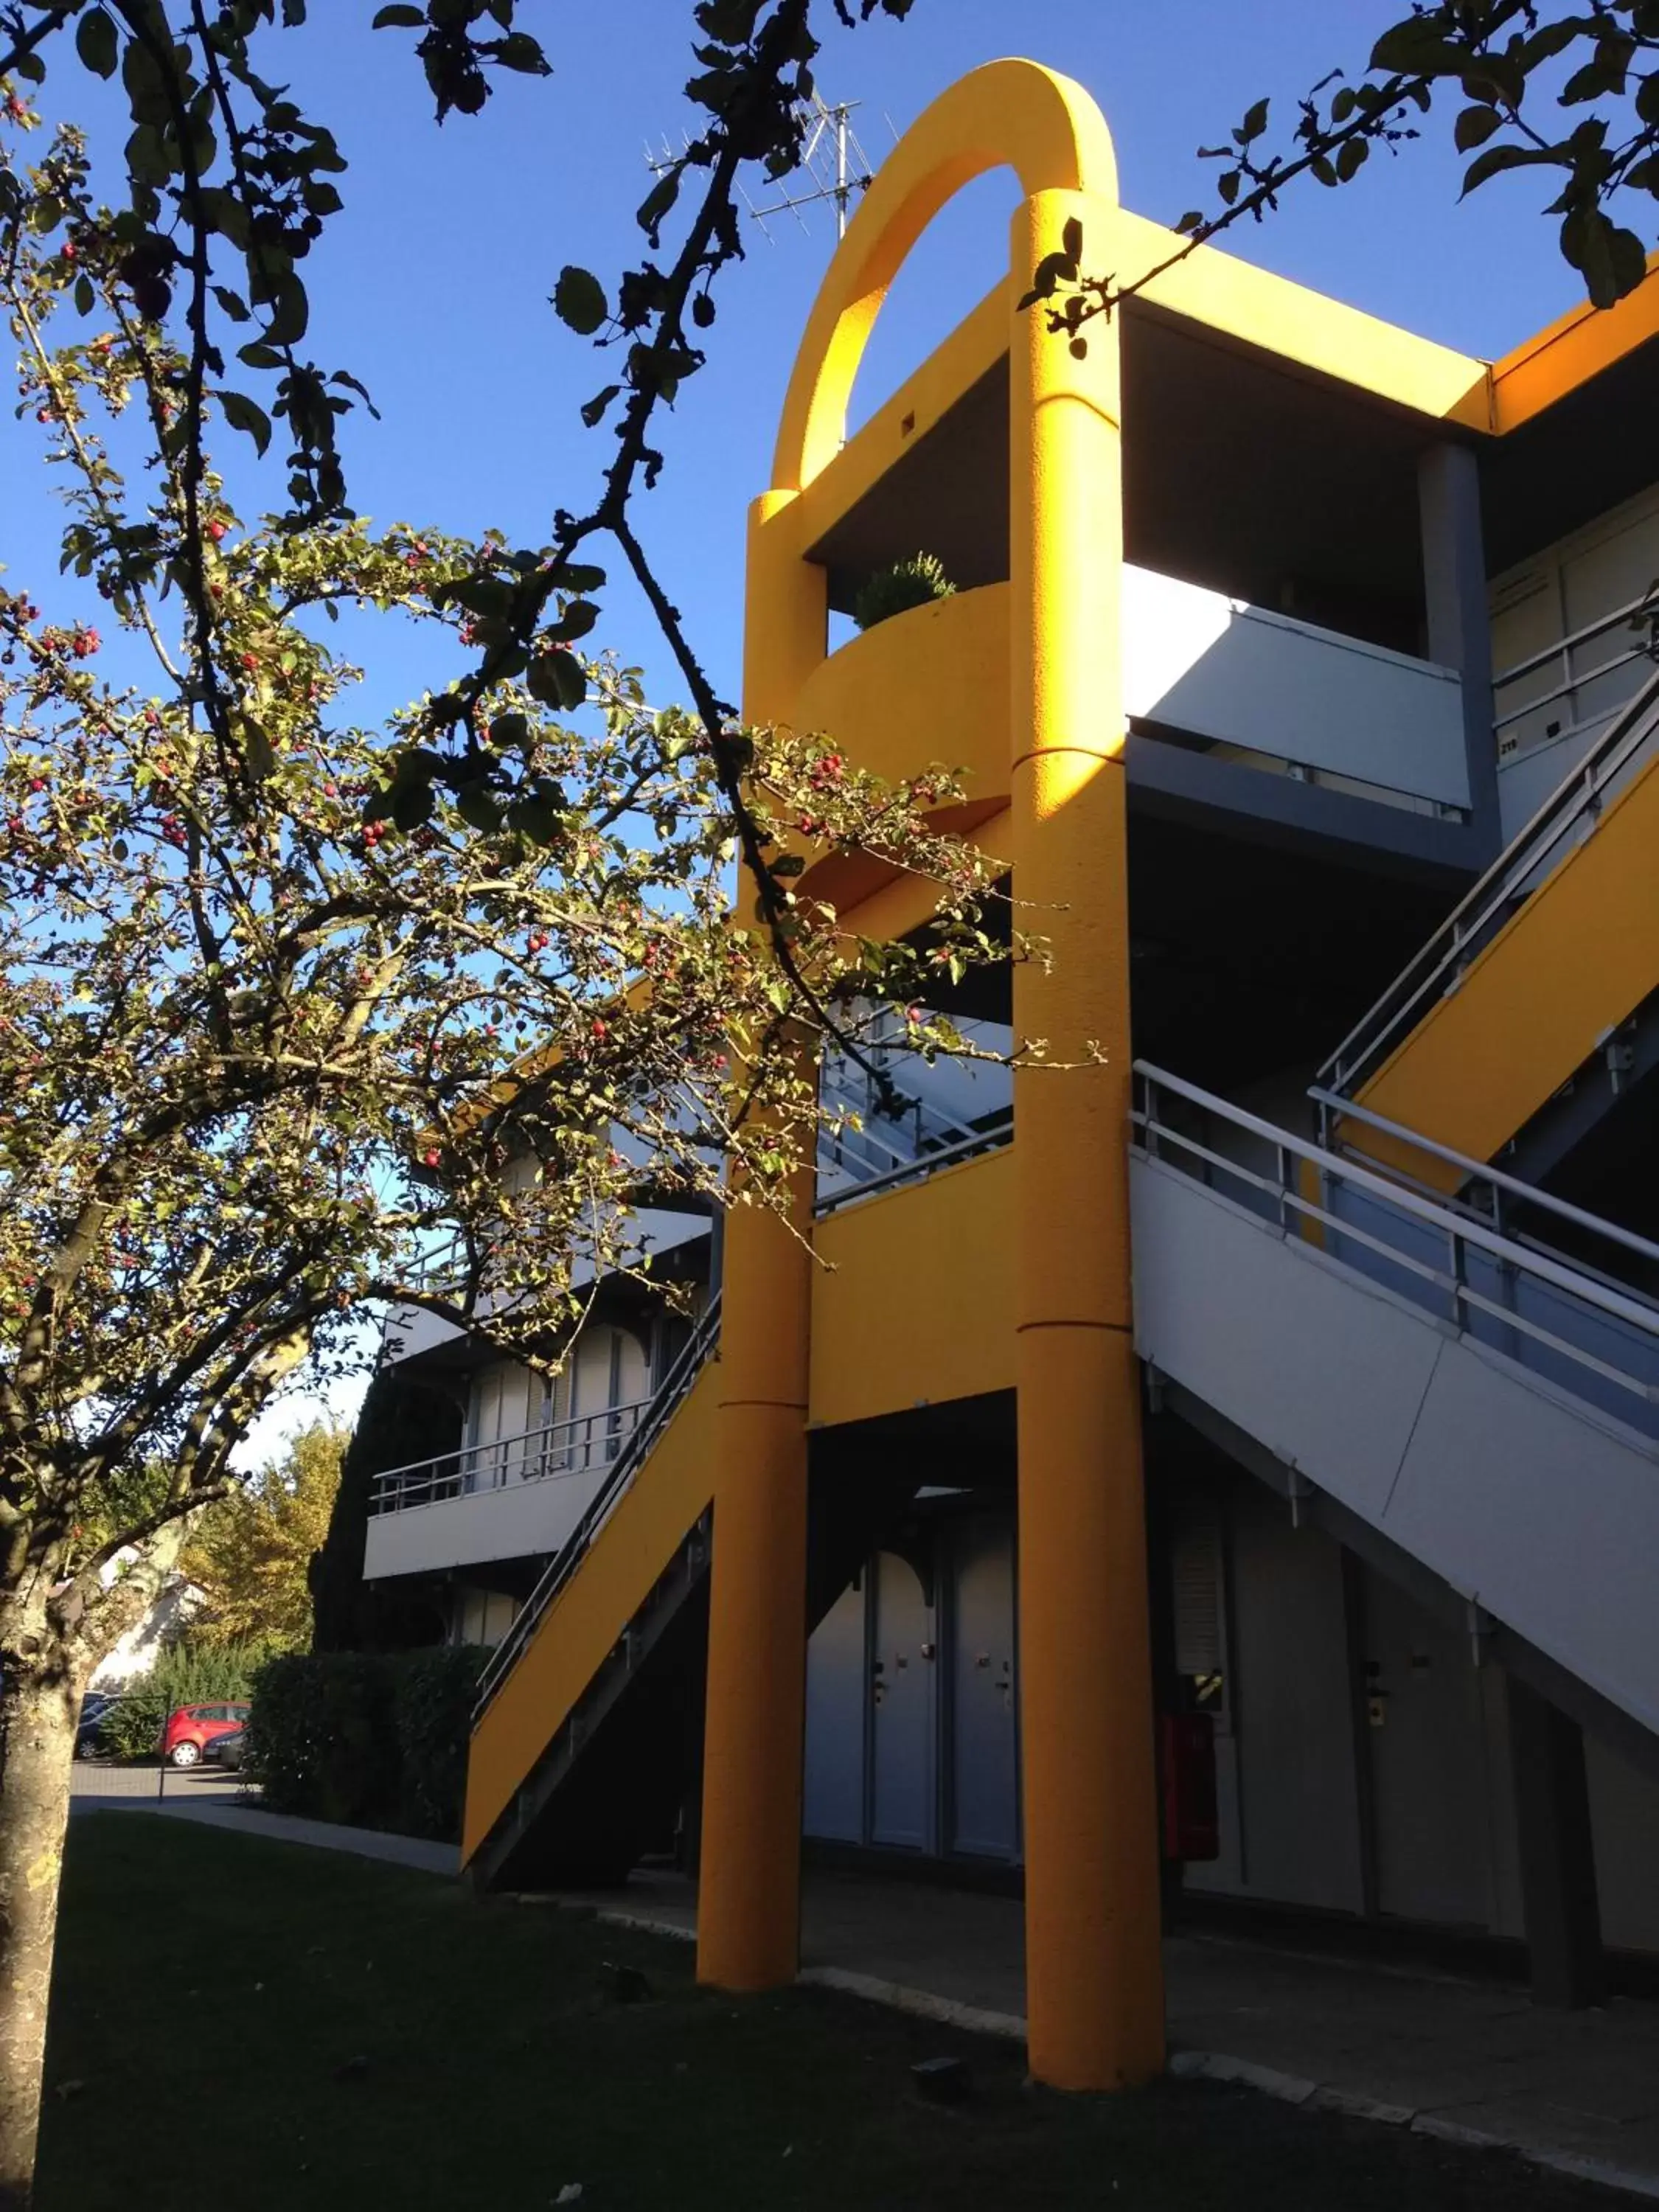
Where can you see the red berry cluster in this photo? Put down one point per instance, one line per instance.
(79, 643)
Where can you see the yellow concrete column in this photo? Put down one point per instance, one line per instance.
(1094, 1995)
(749, 1901)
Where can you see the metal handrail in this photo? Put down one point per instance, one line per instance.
(1483, 911)
(1460, 1233)
(918, 1169)
(659, 1412)
(1563, 647)
(550, 1452)
(911, 1155)
(1479, 1172)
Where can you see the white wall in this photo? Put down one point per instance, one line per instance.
(1265, 683)
(140, 1647)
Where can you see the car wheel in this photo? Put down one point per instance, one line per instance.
(185, 1754)
(87, 1747)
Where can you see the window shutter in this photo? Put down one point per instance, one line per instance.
(1195, 1566)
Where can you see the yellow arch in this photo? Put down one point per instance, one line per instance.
(1009, 113)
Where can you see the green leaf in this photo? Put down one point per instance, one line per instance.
(1473, 127)
(1495, 160)
(231, 303)
(578, 301)
(1611, 261)
(1254, 123)
(658, 203)
(95, 42)
(593, 412)
(557, 679)
(1415, 48)
(411, 804)
(477, 805)
(85, 297)
(521, 52)
(290, 315)
(398, 19)
(1350, 160)
(578, 618)
(257, 747)
(242, 414)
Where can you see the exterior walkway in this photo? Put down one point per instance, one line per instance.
(217, 1803)
(1472, 2062)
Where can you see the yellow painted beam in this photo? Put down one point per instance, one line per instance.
(1237, 300)
(1572, 349)
(1575, 960)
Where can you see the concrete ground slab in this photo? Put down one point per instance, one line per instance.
(224, 1808)
(1469, 2061)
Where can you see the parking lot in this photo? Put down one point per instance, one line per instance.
(99, 1780)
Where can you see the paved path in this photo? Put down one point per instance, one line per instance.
(218, 1803)
(1471, 2061)
(1468, 2061)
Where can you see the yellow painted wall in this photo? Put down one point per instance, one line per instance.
(1576, 959)
(930, 685)
(566, 1652)
(920, 1305)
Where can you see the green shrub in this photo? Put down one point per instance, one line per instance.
(322, 1738)
(185, 1673)
(377, 1740)
(913, 583)
(433, 1696)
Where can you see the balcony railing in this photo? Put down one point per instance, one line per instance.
(926, 1118)
(1561, 671)
(578, 1445)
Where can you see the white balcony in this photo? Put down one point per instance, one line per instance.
(1286, 696)
(515, 1497)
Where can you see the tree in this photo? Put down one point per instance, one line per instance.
(402, 1419)
(251, 1553)
(284, 997)
(1567, 87)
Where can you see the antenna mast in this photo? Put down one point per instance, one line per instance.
(834, 169)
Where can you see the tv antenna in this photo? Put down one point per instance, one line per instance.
(834, 169)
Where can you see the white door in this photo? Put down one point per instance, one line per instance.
(837, 1706)
(902, 1676)
(984, 1747)
(1427, 1740)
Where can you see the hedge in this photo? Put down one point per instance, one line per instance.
(377, 1740)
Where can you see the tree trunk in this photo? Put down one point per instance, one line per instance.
(37, 1711)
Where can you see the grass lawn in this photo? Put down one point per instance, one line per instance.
(241, 2022)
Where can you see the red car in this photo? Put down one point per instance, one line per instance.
(191, 1726)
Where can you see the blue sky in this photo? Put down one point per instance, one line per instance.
(432, 285)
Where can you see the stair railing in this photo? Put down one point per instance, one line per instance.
(658, 1413)
(885, 1150)
(1488, 1287)
(1571, 808)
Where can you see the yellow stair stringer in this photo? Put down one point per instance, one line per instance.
(587, 1619)
(1569, 966)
